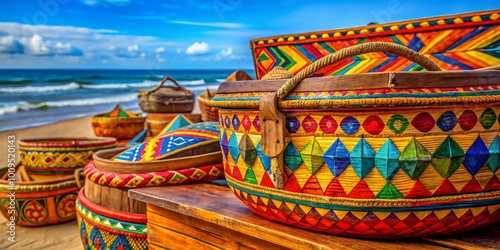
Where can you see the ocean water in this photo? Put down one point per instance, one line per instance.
(36, 97)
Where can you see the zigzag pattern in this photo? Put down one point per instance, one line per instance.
(450, 44)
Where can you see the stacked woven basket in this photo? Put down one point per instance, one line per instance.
(106, 216)
(118, 123)
(163, 103)
(47, 180)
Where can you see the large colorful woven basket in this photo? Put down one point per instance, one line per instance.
(38, 203)
(49, 158)
(119, 123)
(458, 42)
(102, 228)
(371, 155)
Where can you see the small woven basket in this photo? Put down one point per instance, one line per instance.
(117, 127)
(49, 158)
(208, 113)
(39, 203)
(166, 99)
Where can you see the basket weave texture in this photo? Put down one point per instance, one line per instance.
(353, 167)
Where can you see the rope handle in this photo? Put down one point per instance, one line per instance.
(78, 175)
(495, 67)
(353, 51)
(168, 78)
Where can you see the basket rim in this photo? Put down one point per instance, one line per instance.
(101, 117)
(110, 213)
(102, 161)
(77, 142)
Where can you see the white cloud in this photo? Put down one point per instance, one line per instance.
(198, 48)
(44, 40)
(37, 46)
(179, 51)
(213, 24)
(228, 54)
(160, 50)
(143, 55)
(133, 48)
(10, 45)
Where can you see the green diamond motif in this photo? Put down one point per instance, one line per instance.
(250, 177)
(488, 118)
(494, 159)
(447, 157)
(414, 159)
(247, 150)
(312, 155)
(386, 159)
(362, 158)
(389, 192)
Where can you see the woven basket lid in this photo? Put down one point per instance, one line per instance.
(118, 111)
(172, 143)
(277, 73)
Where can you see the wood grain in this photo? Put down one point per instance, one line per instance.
(113, 198)
(372, 81)
(203, 211)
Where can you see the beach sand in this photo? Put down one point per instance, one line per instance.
(63, 236)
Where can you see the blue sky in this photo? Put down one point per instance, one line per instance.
(181, 34)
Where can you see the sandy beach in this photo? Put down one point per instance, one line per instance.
(62, 236)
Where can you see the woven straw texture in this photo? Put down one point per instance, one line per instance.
(467, 41)
(56, 158)
(153, 179)
(40, 204)
(208, 113)
(379, 171)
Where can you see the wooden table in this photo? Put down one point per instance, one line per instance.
(209, 216)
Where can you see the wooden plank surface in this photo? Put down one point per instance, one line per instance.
(202, 209)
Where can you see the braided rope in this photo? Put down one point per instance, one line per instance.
(357, 50)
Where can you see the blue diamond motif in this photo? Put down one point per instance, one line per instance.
(362, 158)
(228, 122)
(292, 124)
(387, 159)
(336, 158)
(292, 157)
(266, 161)
(476, 156)
(447, 121)
(494, 159)
(236, 122)
(233, 147)
(350, 125)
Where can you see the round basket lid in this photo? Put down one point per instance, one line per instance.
(172, 143)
